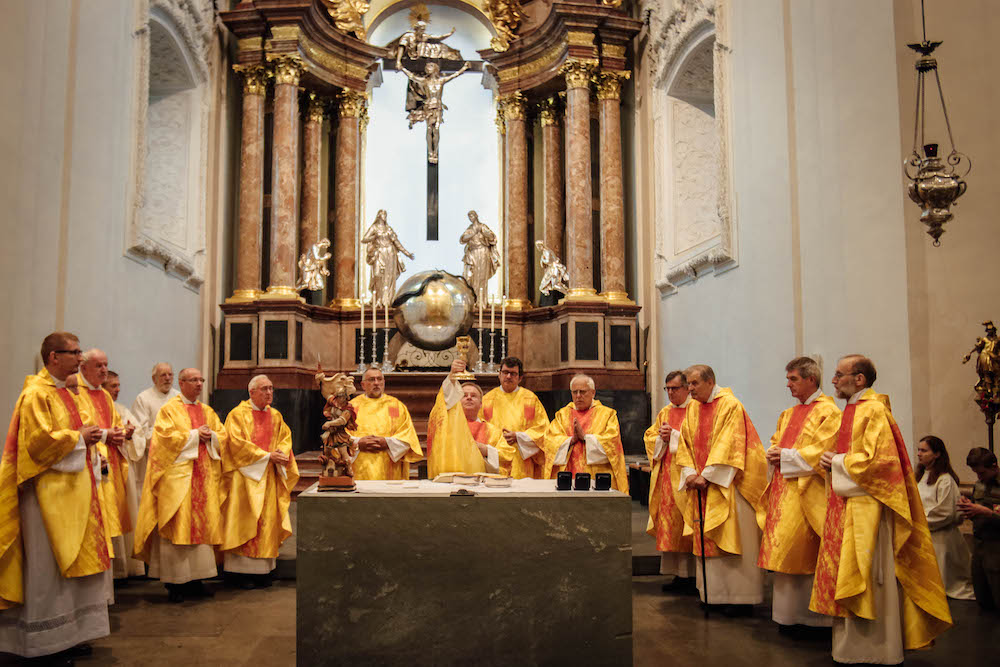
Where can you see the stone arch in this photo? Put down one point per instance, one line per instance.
(695, 231)
(167, 225)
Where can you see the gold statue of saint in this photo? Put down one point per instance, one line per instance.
(987, 363)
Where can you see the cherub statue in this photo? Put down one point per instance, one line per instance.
(430, 110)
(481, 258)
(338, 453)
(348, 16)
(383, 256)
(987, 363)
(312, 267)
(554, 274)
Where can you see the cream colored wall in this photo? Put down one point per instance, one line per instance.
(66, 133)
(953, 288)
(817, 203)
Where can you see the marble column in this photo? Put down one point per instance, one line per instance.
(552, 176)
(251, 207)
(579, 190)
(347, 161)
(312, 144)
(284, 179)
(609, 85)
(516, 200)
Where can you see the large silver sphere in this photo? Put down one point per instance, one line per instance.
(432, 308)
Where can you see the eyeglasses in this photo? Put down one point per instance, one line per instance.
(838, 374)
(674, 388)
(76, 352)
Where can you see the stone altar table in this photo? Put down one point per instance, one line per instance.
(406, 573)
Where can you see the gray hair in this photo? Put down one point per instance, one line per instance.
(90, 354)
(807, 368)
(256, 380)
(583, 376)
(161, 363)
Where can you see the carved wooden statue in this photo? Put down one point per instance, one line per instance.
(337, 450)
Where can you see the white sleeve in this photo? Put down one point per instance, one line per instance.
(595, 453)
(452, 392)
(675, 438)
(719, 474)
(74, 460)
(686, 474)
(793, 465)
(843, 485)
(256, 470)
(190, 450)
(526, 447)
(562, 454)
(941, 513)
(213, 447)
(492, 459)
(659, 448)
(397, 449)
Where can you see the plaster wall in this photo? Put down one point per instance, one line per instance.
(952, 288)
(67, 133)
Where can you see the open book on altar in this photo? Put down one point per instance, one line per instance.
(474, 479)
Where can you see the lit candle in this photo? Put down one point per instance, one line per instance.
(480, 309)
(493, 312)
(503, 315)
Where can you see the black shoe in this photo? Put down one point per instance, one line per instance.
(175, 592)
(79, 651)
(681, 586)
(121, 583)
(245, 582)
(262, 580)
(737, 610)
(198, 589)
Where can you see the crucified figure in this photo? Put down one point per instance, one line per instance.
(431, 110)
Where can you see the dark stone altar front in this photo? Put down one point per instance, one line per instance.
(411, 578)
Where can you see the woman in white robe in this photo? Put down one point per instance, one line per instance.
(938, 486)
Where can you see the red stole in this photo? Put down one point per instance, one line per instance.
(198, 472)
(104, 420)
(577, 461)
(263, 429)
(480, 432)
(828, 562)
(701, 447)
(97, 516)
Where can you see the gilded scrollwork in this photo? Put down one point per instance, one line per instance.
(348, 16)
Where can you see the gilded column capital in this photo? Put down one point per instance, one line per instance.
(364, 118)
(352, 104)
(577, 73)
(316, 108)
(548, 111)
(287, 69)
(609, 84)
(513, 106)
(254, 78)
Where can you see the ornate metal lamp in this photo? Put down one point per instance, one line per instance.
(935, 183)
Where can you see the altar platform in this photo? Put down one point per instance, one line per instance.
(407, 573)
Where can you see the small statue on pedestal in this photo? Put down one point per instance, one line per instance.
(383, 248)
(988, 360)
(554, 274)
(312, 267)
(481, 258)
(337, 456)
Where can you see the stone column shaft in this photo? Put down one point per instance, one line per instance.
(552, 178)
(251, 206)
(284, 179)
(579, 190)
(312, 143)
(612, 201)
(516, 200)
(346, 197)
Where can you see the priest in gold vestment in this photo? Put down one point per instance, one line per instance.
(665, 521)
(457, 440)
(125, 563)
(521, 417)
(114, 484)
(387, 441)
(795, 498)
(584, 436)
(259, 473)
(180, 518)
(876, 573)
(55, 548)
(721, 461)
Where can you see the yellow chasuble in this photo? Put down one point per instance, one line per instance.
(450, 444)
(719, 433)
(665, 521)
(796, 507)
(599, 421)
(44, 428)
(256, 511)
(181, 501)
(518, 411)
(385, 416)
(100, 404)
(876, 460)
